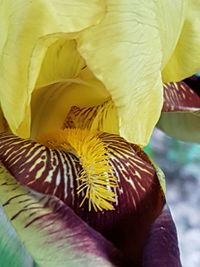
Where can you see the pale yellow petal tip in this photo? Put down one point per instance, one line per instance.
(96, 181)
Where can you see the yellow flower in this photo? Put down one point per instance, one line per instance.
(115, 51)
(73, 75)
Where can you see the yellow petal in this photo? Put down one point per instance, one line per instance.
(3, 124)
(51, 104)
(62, 61)
(170, 17)
(126, 51)
(185, 61)
(24, 27)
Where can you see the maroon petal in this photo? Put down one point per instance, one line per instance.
(194, 83)
(51, 231)
(180, 117)
(161, 249)
(139, 197)
(180, 97)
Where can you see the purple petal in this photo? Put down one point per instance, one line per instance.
(161, 249)
(180, 97)
(139, 197)
(194, 83)
(52, 233)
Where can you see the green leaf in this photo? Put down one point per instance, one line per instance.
(183, 126)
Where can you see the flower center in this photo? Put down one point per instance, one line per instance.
(96, 181)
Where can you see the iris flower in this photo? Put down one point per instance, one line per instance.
(81, 91)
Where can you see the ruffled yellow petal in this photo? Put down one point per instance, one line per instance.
(185, 61)
(126, 51)
(51, 104)
(25, 27)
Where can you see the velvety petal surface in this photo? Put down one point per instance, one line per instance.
(138, 195)
(27, 30)
(50, 230)
(161, 248)
(126, 51)
(181, 112)
(180, 97)
(139, 199)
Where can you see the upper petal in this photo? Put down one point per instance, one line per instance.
(170, 16)
(185, 60)
(126, 51)
(24, 25)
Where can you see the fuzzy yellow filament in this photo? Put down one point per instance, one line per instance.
(96, 181)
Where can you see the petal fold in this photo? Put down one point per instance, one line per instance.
(124, 52)
(24, 43)
(161, 248)
(61, 62)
